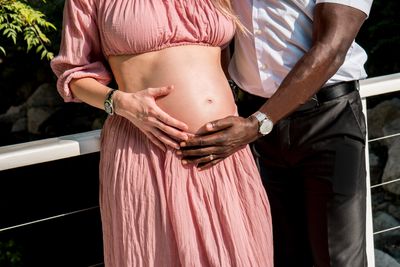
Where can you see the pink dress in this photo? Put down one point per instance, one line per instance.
(155, 211)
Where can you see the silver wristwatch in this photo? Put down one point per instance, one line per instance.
(108, 102)
(265, 124)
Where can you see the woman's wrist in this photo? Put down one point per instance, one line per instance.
(118, 98)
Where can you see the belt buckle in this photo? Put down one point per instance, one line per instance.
(310, 104)
(315, 100)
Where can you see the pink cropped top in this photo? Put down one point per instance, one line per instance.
(93, 30)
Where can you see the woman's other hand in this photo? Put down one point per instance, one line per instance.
(141, 109)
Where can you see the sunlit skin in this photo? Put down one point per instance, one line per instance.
(168, 94)
(335, 28)
(201, 92)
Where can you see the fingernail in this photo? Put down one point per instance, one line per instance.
(179, 152)
(209, 126)
(182, 144)
(184, 162)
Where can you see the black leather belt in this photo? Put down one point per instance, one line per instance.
(336, 90)
(250, 103)
(330, 92)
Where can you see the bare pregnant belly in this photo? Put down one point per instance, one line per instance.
(201, 92)
(198, 100)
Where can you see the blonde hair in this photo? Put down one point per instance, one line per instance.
(225, 7)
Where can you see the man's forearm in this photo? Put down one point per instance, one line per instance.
(335, 28)
(305, 79)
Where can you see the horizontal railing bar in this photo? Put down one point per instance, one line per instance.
(380, 85)
(24, 154)
(385, 183)
(387, 230)
(47, 219)
(384, 137)
(29, 153)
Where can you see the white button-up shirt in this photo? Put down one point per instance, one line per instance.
(281, 32)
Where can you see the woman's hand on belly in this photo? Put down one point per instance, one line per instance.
(141, 109)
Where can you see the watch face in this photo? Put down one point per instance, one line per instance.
(108, 107)
(266, 127)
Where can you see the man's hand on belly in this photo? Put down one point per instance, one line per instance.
(220, 139)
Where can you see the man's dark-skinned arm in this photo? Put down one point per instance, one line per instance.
(335, 27)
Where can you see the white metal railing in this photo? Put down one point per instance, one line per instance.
(47, 219)
(24, 154)
(34, 152)
(380, 85)
(368, 88)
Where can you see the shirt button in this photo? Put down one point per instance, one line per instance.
(257, 32)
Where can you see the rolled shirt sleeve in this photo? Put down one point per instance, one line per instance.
(363, 5)
(80, 54)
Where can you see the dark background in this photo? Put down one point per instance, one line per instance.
(21, 73)
(44, 190)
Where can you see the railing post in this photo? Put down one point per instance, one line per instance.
(369, 220)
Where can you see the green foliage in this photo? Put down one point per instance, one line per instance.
(17, 18)
(10, 255)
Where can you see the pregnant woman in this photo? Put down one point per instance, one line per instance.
(165, 58)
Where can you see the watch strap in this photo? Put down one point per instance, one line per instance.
(259, 116)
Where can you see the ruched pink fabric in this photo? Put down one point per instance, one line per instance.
(93, 30)
(157, 212)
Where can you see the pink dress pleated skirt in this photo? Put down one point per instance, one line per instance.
(157, 212)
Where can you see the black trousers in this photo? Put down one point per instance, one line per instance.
(313, 168)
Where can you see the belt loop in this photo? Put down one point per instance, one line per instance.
(357, 85)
